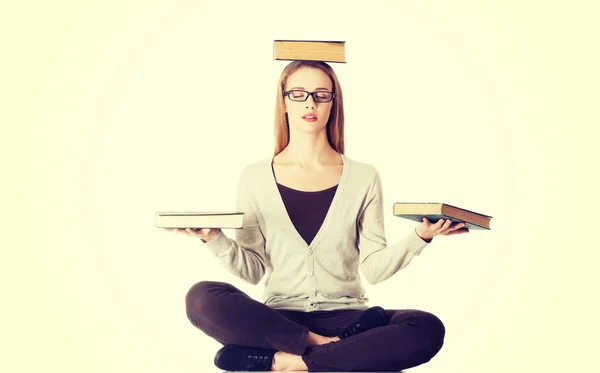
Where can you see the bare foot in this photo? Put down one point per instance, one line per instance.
(317, 339)
(288, 362)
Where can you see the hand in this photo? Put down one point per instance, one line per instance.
(205, 234)
(427, 230)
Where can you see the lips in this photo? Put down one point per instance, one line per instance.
(310, 116)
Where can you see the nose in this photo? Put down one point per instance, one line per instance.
(312, 99)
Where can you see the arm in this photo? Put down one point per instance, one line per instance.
(244, 256)
(378, 261)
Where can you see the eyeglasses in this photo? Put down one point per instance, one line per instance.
(300, 96)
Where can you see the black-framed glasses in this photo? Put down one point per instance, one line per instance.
(300, 96)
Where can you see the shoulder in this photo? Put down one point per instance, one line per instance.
(362, 170)
(257, 170)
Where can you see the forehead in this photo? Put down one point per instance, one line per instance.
(309, 78)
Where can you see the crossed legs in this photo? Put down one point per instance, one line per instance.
(228, 315)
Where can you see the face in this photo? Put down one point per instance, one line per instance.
(312, 80)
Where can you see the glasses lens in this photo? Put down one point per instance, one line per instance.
(323, 96)
(297, 95)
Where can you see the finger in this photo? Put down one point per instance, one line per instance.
(457, 226)
(452, 226)
(191, 231)
(446, 225)
(198, 232)
(458, 231)
(438, 224)
(435, 229)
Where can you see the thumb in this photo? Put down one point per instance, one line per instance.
(425, 220)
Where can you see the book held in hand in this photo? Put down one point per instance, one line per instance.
(199, 219)
(434, 211)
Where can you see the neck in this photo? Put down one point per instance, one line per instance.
(310, 149)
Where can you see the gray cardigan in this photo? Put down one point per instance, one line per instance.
(323, 275)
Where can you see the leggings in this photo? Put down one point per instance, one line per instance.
(229, 316)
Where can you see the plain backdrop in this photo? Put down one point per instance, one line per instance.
(113, 110)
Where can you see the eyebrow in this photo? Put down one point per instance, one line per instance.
(316, 89)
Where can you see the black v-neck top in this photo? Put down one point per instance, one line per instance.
(307, 210)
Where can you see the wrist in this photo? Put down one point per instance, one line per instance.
(423, 237)
(211, 236)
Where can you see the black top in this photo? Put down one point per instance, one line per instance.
(306, 210)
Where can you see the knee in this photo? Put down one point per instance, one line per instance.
(429, 328)
(434, 330)
(201, 296)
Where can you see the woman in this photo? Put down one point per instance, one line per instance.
(312, 218)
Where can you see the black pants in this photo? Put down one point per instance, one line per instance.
(228, 315)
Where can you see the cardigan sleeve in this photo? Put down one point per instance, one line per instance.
(379, 261)
(245, 256)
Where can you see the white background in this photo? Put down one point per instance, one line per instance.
(115, 110)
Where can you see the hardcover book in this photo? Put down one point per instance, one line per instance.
(435, 211)
(199, 219)
(313, 50)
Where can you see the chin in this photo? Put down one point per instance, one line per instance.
(306, 128)
(307, 125)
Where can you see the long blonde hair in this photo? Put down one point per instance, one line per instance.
(335, 124)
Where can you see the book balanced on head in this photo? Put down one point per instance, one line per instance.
(199, 219)
(310, 50)
(435, 211)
